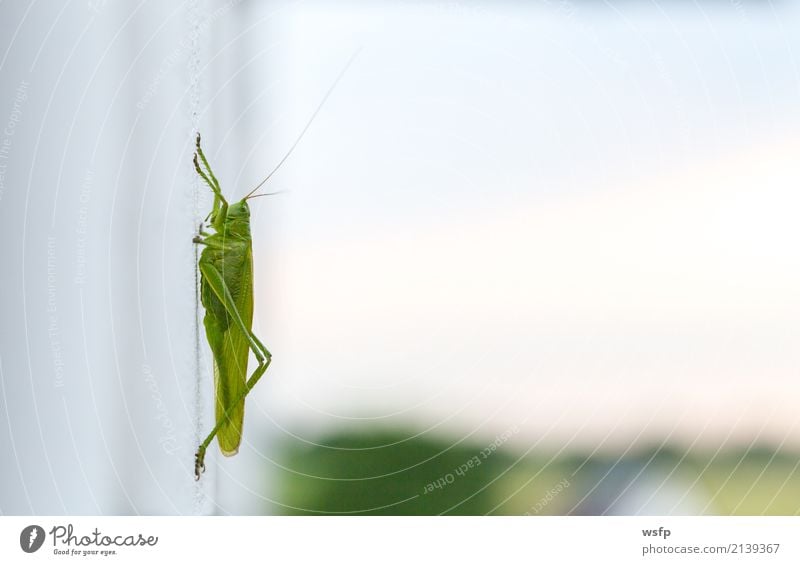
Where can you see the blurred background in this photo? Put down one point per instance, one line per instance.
(529, 258)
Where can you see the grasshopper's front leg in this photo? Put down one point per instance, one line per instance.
(200, 235)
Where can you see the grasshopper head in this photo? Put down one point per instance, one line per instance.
(239, 211)
(237, 220)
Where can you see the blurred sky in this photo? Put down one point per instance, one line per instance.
(576, 216)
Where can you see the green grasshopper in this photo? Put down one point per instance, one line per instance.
(226, 292)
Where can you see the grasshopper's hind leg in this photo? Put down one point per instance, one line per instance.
(217, 283)
(199, 457)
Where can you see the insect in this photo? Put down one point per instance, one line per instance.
(226, 293)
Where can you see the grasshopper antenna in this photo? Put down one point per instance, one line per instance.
(308, 124)
(266, 194)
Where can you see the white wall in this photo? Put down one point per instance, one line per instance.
(97, 215)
